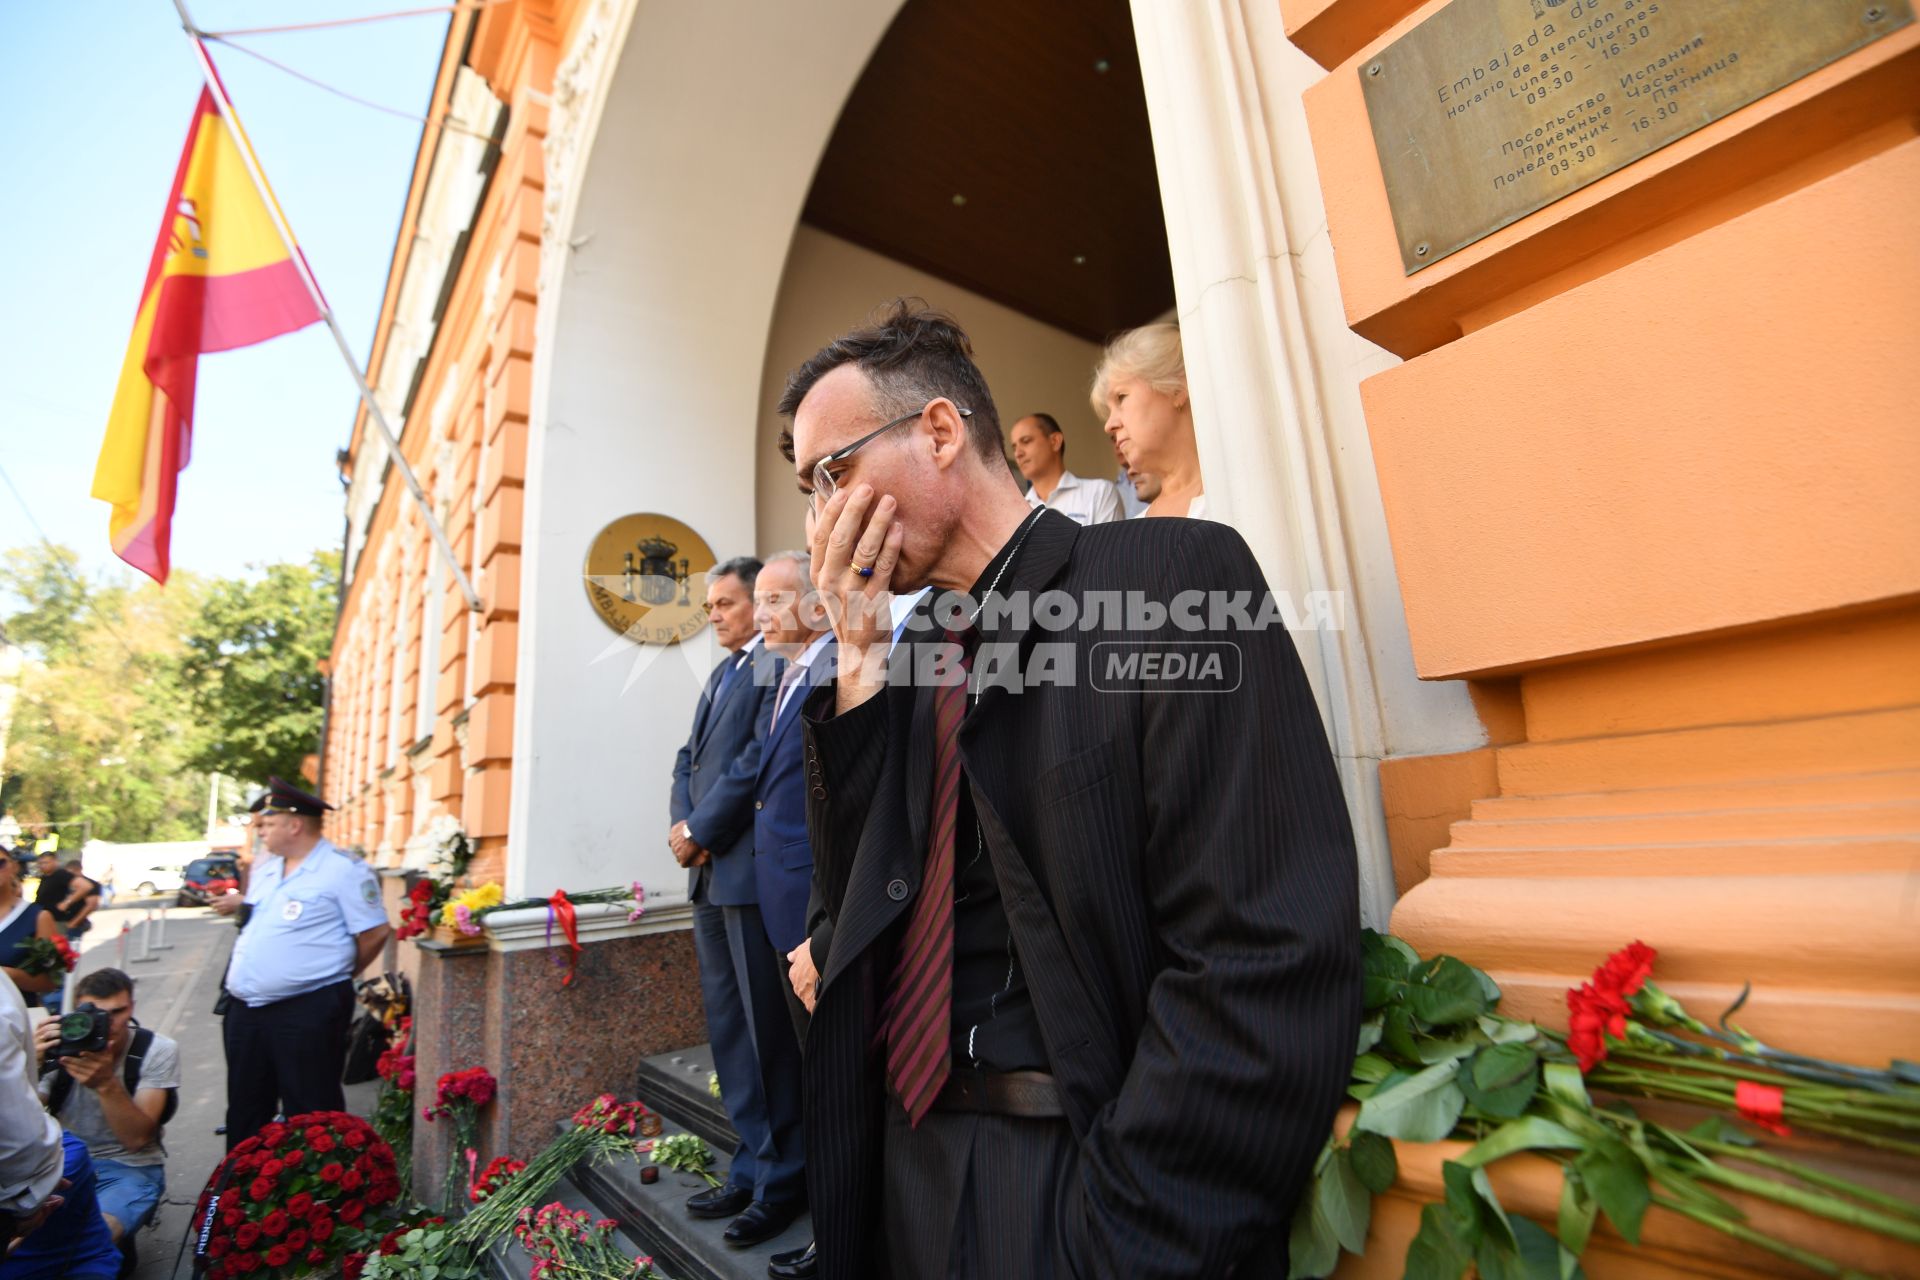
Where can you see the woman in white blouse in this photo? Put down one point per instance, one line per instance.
(1141, 391)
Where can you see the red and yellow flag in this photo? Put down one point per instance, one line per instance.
(220, 278)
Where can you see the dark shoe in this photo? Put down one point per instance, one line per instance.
(795, 1264)
(720, 1202)
(762, 1222)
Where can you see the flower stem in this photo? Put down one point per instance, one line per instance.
(1738, 1231)
(1813, 1202)
(1767, 1160)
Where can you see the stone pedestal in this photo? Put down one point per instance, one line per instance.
(551, 1046)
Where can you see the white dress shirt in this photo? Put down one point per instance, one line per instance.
(1087, 501)
(795, 673)
(31, 1158)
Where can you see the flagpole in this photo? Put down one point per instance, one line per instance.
(247, 158)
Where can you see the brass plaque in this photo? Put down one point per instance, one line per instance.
(646, 578)
(1491, 109)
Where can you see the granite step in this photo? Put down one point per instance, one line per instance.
(675, 1085)
(684, 1247)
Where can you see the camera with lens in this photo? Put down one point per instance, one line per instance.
(85, 1030)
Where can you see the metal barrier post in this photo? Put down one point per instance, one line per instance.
(146, 941)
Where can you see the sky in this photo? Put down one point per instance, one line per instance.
(98, 97)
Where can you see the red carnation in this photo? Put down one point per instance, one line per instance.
(1593, 1015)
(279, 1256)
(1627, 969)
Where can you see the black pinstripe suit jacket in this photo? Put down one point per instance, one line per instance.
(1178, 872)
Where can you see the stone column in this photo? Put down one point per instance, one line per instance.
(1274, 374)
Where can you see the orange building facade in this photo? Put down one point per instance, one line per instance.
(1618, 498)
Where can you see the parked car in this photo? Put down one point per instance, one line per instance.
(149, 882)
(206, 879)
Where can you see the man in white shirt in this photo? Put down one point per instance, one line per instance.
(1040, 451)
(316, 920)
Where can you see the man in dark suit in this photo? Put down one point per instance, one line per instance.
(741, 979)
(1094, 984)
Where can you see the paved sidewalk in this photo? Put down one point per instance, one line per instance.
(174, 995)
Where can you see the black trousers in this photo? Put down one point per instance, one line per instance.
(977, 1197)
(286, 1056)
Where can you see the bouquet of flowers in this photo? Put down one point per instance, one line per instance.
(1436, 1061)
(296, 1197)
(493, 1177)
(462, 911)
(417, 918)
(459, 1097)
(40, 957)
(451, 856)
(687, 1153)
(393, 1113)
(601, 1130)
(571, 1243)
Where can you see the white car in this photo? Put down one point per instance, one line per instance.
(149, 882)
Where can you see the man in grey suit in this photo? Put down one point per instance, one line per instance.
(741, 979)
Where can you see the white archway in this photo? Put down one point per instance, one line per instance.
(683, 140)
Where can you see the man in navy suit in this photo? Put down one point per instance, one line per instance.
(741, 979)
(796, 630)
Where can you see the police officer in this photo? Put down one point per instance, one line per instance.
(314, 921)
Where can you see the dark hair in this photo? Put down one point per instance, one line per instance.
(104, 982)
(1052, 427)
(911, 354)
(745, 568)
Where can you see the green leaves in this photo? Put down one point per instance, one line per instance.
(1333, 1215)
(1421, 1108)
(1374, 1162)
(1501, 1080)
(1440, 1250)
(1448, 991)
(1529, 1133)
(1618, 1182)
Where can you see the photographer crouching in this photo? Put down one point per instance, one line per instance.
(113, 1084)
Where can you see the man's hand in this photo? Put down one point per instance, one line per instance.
(94, 1070)
(28, 1223)
(46, 1035)
(856, 530)
(685, 851)
(226, 904)
(801, 973)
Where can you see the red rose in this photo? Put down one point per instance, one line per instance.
(1627, 969)
(273, 1169)
(323, 1229)
(316, 1255)
(219, 1247)
(293, 1158)
(330, 1172)
(355, 1139)
(247, 1236)
(275, 1224)
(259, 1189)
(279, 1256)
(297, 1239)
(232, 1216)
(300, 1203)
(352, 1264)
(323, 1144)
(272, 1136)
(351, 1211)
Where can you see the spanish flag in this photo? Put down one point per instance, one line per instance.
(220, 278)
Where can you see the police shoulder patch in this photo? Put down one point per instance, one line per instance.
(368, 891)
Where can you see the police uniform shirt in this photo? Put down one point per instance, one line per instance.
(301, 934)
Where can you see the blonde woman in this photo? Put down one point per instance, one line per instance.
(1140, 390)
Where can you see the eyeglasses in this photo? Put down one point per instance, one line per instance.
(825, 485)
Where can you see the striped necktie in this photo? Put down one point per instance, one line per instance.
(918, 1012)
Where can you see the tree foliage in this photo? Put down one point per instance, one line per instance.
(251, 668)
(130, 695)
